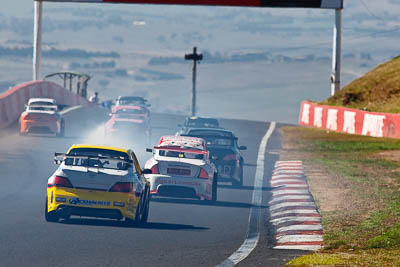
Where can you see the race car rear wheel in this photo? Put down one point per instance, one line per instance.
(145, 214)
(142, 210)
(50, 216)
(240, 176)
(62, 129)
(215, 188)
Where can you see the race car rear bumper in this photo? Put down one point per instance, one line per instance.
(66, 211)
(91, 203)
(39, 127)
(180, 187)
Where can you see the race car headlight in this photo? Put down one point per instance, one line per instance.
(61, 199)
(119, 204)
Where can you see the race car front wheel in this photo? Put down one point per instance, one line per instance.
(50, 216)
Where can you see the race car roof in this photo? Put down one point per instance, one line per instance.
(99, 147)
(182, 142)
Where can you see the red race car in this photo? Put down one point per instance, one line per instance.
(131, 122)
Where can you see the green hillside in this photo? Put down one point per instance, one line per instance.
(378, 90)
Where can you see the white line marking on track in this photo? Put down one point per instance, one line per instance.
(252, 237)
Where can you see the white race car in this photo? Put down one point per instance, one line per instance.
(181, 168)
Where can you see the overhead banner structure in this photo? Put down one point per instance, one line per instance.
(337, 5)
(329, 4)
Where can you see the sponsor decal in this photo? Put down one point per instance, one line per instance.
(119, 204)
(178, 182)
(78, 201)
(61, 199)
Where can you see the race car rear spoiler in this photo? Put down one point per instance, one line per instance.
(178, 149)
(60, 157)
(210, 136)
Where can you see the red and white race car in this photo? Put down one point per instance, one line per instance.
(181, 168)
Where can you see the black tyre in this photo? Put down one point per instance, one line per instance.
(215, 188)
(142, 209)
(50, 216)
(145, 214)
(239, 182)
(62, 129)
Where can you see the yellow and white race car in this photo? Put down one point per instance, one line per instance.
(98, 181)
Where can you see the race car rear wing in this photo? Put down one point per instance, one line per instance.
(178, 149)
(60, 157)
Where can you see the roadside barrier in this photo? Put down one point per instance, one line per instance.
(351, 121)
(12, 102)
(293, 213)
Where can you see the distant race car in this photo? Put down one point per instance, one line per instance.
(97, 181)
(41, 116)
(181, 168)
(130, 122)
(197, 122)
(224, 152)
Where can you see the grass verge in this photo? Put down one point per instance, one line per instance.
(356, 183)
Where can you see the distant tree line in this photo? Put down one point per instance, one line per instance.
(55, 53)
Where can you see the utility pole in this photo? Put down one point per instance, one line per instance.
(37, 39)
(195, 57)
(337, 52)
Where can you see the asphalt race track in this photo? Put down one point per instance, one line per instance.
(179, 233)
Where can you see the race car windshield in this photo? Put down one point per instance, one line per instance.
(180, 154)
(214, 138)
(42, 108)
(41, 103)
(108, 159)
(206, 123)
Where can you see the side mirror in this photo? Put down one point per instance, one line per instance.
(243, 148)
(214, 157)
(57, 161)
(147, 171)
(149, 150)
(236, 138)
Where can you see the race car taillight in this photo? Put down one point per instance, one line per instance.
(59, 181)
(203, 174)
(24, 117)
(230, 157)
(125, 187)
(154, 169)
